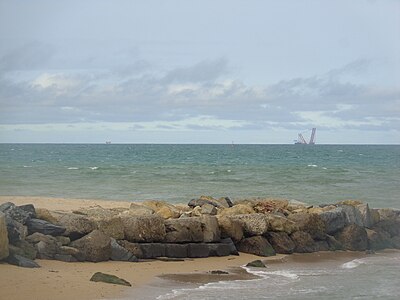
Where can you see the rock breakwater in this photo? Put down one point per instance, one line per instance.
(205, 227)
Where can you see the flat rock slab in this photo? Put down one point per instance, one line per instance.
(21, 261)
(108, 278)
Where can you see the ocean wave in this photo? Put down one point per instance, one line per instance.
(353, 264)
(314, 166)
(73, 168)
(267, 274)
(27, 166)
(94, 168)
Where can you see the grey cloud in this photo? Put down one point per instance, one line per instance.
(201, 72)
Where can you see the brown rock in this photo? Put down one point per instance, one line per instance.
(76, 225)
(311, 223)
(281, 242)
(139, 210)
(353, 237)
(95, 247)
(238, 209)
(252, 224)
(256, 245)
(3, 237)
(163, 208)
(112, 226)
(211, 232)
(184, 230)
(45, 214)
(304, 242)
(230, 228)
(144, 229)
(279, 223)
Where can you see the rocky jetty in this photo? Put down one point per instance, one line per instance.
(202, 228)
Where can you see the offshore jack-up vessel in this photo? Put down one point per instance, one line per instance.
(302, 141)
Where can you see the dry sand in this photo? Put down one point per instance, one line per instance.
(60, 280)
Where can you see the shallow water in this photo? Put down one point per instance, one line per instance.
(371, 277)
(177, 173)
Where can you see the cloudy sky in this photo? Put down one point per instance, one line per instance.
(172, 71)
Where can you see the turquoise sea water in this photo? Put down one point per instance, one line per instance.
(177, 173)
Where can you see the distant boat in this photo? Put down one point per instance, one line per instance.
(108, 142)
(302, 141)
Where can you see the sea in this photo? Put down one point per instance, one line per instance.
(314, 174)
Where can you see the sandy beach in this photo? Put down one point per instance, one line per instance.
(61, 280)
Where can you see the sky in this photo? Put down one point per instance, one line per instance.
(175, 71)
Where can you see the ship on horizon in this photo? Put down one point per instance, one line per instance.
(302, 141)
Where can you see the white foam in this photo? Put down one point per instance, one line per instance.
(352, 264)
(229, 171)
(267, 274)
(94, 168)
(27, 166)
(324, 168)
(314, 166)
(73, 168)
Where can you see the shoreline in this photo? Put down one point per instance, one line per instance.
(62, 280)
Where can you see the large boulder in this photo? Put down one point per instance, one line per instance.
(76, 225)
(353, 215)
(281, 224)
(163, 209)
(211, 232)
(95, 247)
(152, 250)
(111, 226)
(252, 224)
(15, 230)
(184, 230)
(304, 242)
(388, 213)
(21, 261)
(238, 209)
(281, 242)
(353, 237)
(144, 229)
(15, 213)
(3, 237)
(335, 219)
(257, 245)
(23, 248)
(270, 205)
(196, 250)
(230, 228)
(47, 228)
(311, 223)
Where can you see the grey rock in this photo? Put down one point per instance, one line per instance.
(47, 228)
(30, 209)
(46, 250)
(198, 250)
(219, 249)
(208, 209)
(391, 226)
(21, 261)
(119, 253)
(15, 230)
(232, 247)
(230, 228)
(353, 215)
(65, 258)
(257, 245)
(378, 239)
(108, 278)
(95, 247)
(311, 223)
(152, 250)
(24, 249)
(256, 264)
(334, 219)
(176, 250)
(14, 212)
